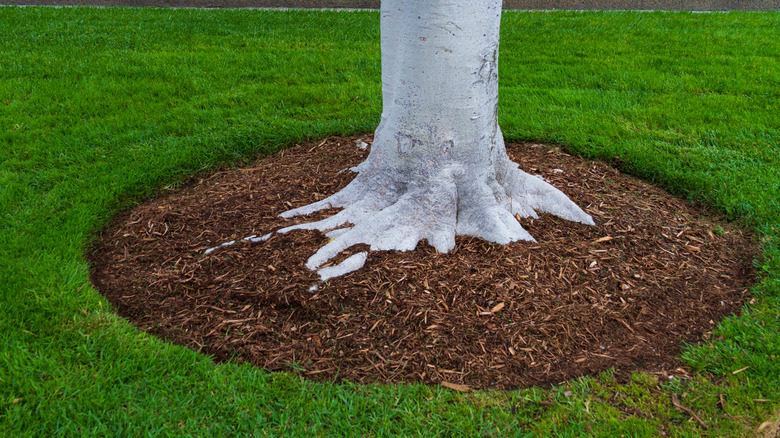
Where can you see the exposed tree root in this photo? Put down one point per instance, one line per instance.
(382, 211)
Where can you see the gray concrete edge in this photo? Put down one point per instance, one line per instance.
(674, 5)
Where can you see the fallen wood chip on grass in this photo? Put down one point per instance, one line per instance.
(687, 410)
(456, 387)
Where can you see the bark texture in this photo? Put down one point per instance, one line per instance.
(438, 166)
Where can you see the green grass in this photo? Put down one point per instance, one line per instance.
(102, 108)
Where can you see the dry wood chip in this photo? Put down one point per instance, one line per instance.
(497, 308)
(456, 386)
(689, 411)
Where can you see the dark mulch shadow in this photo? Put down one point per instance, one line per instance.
(625, 294)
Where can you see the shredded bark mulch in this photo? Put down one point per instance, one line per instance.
(653, 273)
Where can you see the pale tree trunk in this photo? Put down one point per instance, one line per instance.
(438, 167)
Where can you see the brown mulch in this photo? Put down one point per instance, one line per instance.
(653, 273)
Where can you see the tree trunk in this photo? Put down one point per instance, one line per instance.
(438, 167)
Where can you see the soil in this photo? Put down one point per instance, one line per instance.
(624, 295)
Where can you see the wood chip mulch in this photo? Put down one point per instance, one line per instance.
(653, 273)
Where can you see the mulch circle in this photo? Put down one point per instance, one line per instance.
(652, 274)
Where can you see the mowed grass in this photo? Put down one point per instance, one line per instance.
(102, 108)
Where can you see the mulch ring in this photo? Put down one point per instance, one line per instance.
(653, 273)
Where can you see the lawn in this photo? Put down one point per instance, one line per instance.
(101, 108)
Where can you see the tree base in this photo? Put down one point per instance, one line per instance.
(440, 201)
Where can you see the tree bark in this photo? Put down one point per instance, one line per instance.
(438, 166)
